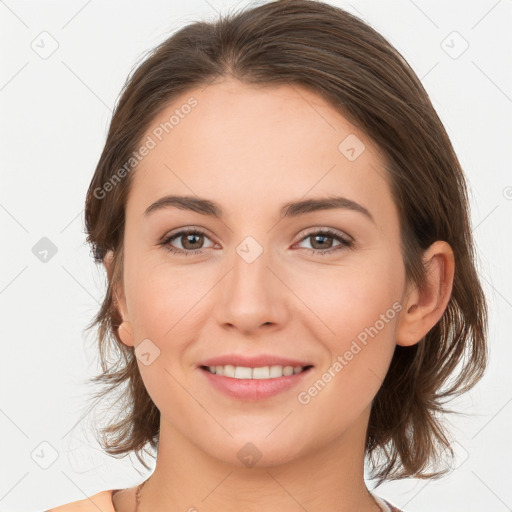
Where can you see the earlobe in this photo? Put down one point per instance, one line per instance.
(425, 307)
(125, 333)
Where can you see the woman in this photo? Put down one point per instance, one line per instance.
(285, 229)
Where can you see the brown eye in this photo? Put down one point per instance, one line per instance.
(322, 242)
(191, 241)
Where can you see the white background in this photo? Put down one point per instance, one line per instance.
(54, 118)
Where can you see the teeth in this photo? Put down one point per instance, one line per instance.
(263, 372)
(229, 370)
(241, 372)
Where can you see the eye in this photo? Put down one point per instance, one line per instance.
(192, 240)
(189, 239)
(321, 241)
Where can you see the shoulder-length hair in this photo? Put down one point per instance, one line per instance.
(354, 68)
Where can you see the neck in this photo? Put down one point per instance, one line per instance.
(327, 477)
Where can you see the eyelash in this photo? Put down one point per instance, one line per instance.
(345, 243)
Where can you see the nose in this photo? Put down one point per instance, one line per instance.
(252, 295)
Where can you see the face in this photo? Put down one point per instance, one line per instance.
(321, 287)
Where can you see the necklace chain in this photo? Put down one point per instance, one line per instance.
(137, 495)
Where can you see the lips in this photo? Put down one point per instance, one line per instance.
(232, 379)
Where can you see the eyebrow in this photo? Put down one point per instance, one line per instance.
(288, 210)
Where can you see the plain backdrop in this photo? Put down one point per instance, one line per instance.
(63, 64)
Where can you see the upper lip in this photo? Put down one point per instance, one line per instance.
(253, 361)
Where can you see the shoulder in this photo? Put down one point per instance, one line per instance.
(391, 507)
(99, 501)
(385, 505)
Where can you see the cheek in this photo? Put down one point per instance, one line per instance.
(360, 350)
(346, 299)
(355, 310)
(164, 306)
(167, 303)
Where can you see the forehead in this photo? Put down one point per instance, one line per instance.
(246, 147)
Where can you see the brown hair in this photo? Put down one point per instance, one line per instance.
(354, 68)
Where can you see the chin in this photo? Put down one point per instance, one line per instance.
(256, 449)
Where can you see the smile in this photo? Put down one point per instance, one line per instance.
(258, 383)
(261, 372)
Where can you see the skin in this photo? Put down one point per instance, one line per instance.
(252, 149)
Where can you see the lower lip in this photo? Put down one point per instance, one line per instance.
(254, 389)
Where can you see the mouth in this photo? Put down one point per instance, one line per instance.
(254, 383)
(259, 372)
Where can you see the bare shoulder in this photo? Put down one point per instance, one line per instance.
(99, 501)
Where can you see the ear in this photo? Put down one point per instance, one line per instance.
(125, 331)
(424, 308)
